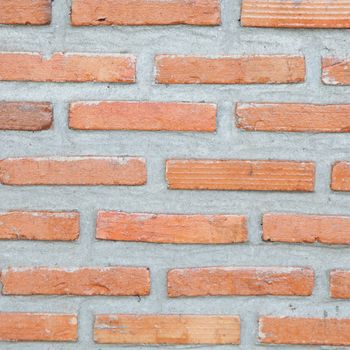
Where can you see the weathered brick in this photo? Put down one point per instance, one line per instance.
(335, 71)
(144, 12)
(246, 175)
(169, 228)
(73, 171)
(192, 282)
(167, 329)
(152, 116)
(116, 281)
(67, 67)
(340, 284)
(172, 69)
(340, 176)
(39, 225)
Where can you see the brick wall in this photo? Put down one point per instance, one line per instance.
(174, 173)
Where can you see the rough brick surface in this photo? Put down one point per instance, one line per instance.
(335, 71)
(240, 281)
(167, 228)
(167, 329)
(144, 12)
(341, 176)
(340, 284)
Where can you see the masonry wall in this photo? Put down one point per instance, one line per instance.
(174, 173)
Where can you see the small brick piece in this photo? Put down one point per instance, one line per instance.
(73, 171)
(213, 281)
(335, 71)
(26, 116)
(33, 12)
(67, 67)
(340, 284)
(289, 117)
(173, 69)
(167, 228)
(167, 329)
(114, 281)
(145, 12)
(239, 175)
(38, 327)
(304, 331)
(341, 176)
(40, 225)
(296, 14)
(151, 116)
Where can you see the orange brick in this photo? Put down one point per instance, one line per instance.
(34, 12)
(289, 117)
(173, 69)
(28, 116)
(299, 228)
(335, 71)
(67, 67)
(144, 12)
(246, 175)
(340, 284)
(152, 116)
(116, 281)
(38, 327)
(167, 228)
(304, 331)
(39, 225)
(192, 282)
(341, 176)
(167, 329)
(73, 171)
(296, 14)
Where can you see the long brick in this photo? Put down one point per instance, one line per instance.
(293, 117)
(152, 116)
(114, 281)
(296, 14)
(340, 176)
(33, 12)
(167, 228)
(145, 12)
(340, 284)
(300, 228)
(304, 331)
(246, 175)
(192, 282)
(73, 171)
(167, 329)
(173, 69)
(335, 71)
(27, 116)
(39, 225)
(38, 327)
(67, 67)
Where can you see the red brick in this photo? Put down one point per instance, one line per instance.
(340, 284)
(39, 225)
(145, 12)
(34, 12)
(38, 327)
(152, 116)
(293, 117)
(116, 281)
(335, 71)
(67, 67)
(167, 329)
(296, 14)
(168, 228)
(173, 69)
(91, 171)
(192, 282)
(340, 176)
(246, 175)
(27, 116)
(301, 228)
(304, 331)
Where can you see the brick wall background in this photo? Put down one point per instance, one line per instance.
(83, 262)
